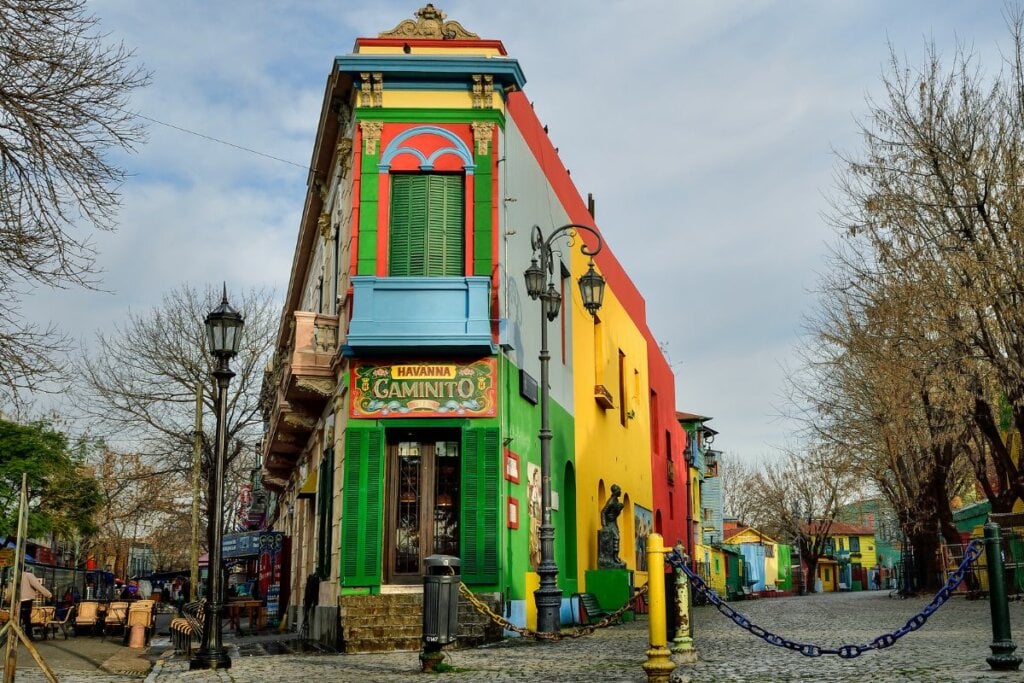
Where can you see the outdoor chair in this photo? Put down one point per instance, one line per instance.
(141, 613)
(117, 616)
(41, 618)
(62, 624)
(87, 616)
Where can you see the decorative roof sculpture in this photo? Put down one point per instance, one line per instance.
(430, 23)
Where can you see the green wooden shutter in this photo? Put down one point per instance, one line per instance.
(445, 231)
(427, 233)
(362, 507)
(325, 509)
(479, 528)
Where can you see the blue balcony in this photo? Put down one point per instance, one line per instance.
(443, 314)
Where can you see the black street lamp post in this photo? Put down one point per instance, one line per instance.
(223, 331)
(797, 536)
(539, 284)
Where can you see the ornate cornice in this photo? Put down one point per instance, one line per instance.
(300, 420)
(483, 131)
(371, 135)
(318, 385)
(343, 149)
(324, 224)
(430, 23)
(483, 91)
(371, 89)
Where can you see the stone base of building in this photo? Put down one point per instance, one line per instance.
(394, 622)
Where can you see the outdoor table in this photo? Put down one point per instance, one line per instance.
(252, 608)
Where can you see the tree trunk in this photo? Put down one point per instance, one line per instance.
(812, 574)
(926, 570)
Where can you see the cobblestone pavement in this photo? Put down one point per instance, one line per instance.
(951, 647)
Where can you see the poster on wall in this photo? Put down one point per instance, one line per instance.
(270, 546)
(273, 600)
(424, 389)
(533, 502)
(642, 527)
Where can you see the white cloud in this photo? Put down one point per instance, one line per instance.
(703, 128)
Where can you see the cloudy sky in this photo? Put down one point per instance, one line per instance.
(706, 130)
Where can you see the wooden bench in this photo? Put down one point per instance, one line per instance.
(591, 610)
(188, 627)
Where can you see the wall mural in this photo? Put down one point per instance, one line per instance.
(642, 527)
(533, 494)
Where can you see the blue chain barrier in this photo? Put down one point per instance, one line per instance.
(972, 553)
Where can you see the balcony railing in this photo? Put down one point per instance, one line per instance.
(438, 313)
(298, 386)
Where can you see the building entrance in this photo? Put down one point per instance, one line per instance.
(423, 487)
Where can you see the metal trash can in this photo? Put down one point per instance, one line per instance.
(441, 578)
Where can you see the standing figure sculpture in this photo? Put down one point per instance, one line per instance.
(608, 534)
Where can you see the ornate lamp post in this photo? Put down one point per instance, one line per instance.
(540, 273)
(223, 331)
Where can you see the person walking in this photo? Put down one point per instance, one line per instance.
(31, 588)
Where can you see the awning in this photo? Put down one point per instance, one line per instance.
(308, 489)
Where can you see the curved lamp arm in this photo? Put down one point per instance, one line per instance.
(538, 276)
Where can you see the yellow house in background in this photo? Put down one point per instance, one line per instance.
(713, 571)
(852, 550)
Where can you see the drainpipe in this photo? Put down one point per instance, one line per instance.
(689, 503)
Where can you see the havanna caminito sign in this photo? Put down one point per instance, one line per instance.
(436, 388)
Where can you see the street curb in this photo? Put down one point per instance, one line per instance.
(154, 673)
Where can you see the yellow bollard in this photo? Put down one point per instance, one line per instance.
(683, 651)
(659, 665)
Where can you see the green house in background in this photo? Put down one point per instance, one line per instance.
(733, 572)
(784, 582)
(970, 517)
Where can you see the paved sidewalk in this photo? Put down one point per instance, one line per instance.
(951, 647)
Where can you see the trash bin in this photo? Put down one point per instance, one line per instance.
(441, 580)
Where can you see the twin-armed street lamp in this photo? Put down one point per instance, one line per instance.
(223, 332)
(540, 284)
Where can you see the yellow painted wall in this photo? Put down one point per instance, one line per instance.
(868, 553)
(434, 99)
(771, 566)
(827, 574)
(696, 509)
(717, 561)
(715, 570)
(532, 584)
(606, 451)
(424, 50)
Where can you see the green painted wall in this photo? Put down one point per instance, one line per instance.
(521, 428)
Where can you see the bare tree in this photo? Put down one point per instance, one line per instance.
(915, 362)
(736, 476)
(63, 97)
(797, 497)
(139, 385)
(935, 202)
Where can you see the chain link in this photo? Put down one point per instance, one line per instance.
(486, 610)
(972, 553)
